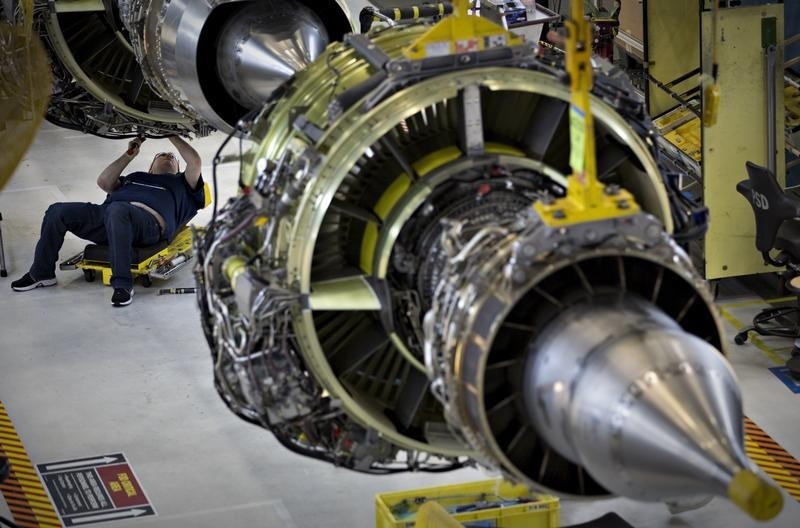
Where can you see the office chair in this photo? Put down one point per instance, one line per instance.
(777, 215)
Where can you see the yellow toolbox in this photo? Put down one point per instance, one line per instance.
(493, 503)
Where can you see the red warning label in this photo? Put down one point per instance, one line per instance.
(122, 486)
(94, 490)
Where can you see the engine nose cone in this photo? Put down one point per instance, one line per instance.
(263, 45)
(652, 412)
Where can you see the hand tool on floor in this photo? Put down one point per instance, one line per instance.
(166, 291)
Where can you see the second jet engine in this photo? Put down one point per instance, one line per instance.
(159, 67)
(384, 296)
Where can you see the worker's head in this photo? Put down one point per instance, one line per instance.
(164, 163)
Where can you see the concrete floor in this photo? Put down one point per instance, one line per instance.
(80, 378)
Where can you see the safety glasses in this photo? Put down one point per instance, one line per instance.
(168, 155)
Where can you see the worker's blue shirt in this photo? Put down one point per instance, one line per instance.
(168, 194)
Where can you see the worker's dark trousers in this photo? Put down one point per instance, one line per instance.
(119, 225)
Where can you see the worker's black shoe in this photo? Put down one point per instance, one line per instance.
(26, 282)
(122, 297)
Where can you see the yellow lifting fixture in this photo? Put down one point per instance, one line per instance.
(460, 33)
(587, 198)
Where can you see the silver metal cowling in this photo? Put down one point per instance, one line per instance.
(604, 372)
(262, 46)
(166, 37)
(511, 284)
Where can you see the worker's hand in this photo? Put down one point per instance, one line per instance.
(133, 146)
(556, 38)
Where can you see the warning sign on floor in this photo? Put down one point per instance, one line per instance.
(95, 489)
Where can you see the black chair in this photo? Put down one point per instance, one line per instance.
(777, 215)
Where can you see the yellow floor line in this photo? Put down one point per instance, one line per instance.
(756, 302)
(18, 484)
(758, 343)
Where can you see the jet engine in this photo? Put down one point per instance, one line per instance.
(383, 295)
(125, 67)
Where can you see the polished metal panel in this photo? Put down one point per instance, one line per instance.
(652, 412)
(263, 45)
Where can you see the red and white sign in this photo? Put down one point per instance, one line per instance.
(467, 45)
(95, 489)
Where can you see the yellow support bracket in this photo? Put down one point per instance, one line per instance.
(460, 33)
(587, 199)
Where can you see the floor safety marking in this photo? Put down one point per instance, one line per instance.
(95, 489)
(26, 498)
(756, 302)
(783, 374)
(780, 371)
(774, 460)
(753, 337)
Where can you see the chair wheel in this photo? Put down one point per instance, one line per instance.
(90, 275)
(740, 338)
(147, 281)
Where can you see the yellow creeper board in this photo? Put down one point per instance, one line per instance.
(182, 243)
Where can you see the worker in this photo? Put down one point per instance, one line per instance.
(140, 209)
